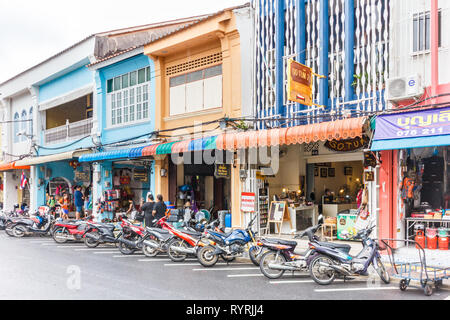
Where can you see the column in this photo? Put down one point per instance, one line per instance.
(349, 49)
(323, 54)
(279, 54)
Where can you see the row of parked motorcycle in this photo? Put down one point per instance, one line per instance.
(325, 261)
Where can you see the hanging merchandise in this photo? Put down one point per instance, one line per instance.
(407, 188)
(125, 179)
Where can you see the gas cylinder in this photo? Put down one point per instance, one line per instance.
(420, 239)
(432, 242)
(443, 243)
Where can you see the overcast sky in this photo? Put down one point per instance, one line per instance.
(33, 30)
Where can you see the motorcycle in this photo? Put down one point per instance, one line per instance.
(33, 225)
(64, 230)
(280, 255)
(132, 237)
(330, 259)
(157, 241)
(100, 233)
(229, 245)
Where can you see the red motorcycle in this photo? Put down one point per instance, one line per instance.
(132, 238)
(64, 231)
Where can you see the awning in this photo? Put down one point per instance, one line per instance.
(113, 155)
(12, 166)
(165, 148)
(325, 131)
(409, 130)
(53, 158)
(150, 150)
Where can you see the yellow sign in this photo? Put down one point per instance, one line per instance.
(300, 83)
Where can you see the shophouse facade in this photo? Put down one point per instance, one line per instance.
(412, 140)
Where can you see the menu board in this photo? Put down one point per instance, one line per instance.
(277, 210)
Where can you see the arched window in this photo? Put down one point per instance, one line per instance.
(30, 124)
(16, 127)
(23, 127)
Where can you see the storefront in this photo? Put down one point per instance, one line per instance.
(414, 150)
(119, 177)
(11, 183)
(301, 172)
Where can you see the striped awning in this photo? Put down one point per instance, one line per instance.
(113, 155)
(33, 161)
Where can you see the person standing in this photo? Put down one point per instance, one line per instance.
(159, 210)
(147, 209)
(79, 202)
(65, 202)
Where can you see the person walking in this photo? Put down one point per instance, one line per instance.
(79, 202)
(159, 210)
(147, 209)
(65, 202)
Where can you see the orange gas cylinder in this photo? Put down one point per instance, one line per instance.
(432, 243)
(420, 239)
(443, 243)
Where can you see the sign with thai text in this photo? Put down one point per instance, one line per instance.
(422, 123)
(248, 201)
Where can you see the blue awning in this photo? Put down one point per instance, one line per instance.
(112, 155)
(411, 143)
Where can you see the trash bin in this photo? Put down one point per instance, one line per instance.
(222, 214)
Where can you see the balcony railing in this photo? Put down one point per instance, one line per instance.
(68, 132)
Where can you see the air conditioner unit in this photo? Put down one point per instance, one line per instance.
(404, 88)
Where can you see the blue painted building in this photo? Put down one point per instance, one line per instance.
(346, 41)
(124, 121)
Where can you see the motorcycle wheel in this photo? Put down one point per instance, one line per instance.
(149, 251)
(59, 231)
(91, 243)
(8, 229)
(382, 272)
(125, 250)
(206, 256)
(173, 255)
(271, 257)
(255, 254)
(19, 231)
(317, 272)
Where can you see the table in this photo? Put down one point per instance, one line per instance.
(411, 222)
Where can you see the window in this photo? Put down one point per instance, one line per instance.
(196, 91)
(30, 124)
(23, 126)
(422, 31)
(16, 127)
(128, 97)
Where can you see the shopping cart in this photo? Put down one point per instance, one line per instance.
(418, 272)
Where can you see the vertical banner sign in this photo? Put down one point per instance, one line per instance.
(299, 83)
(248, 202)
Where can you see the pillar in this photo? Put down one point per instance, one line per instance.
(279, 54)
(349, 49)
(323, 54)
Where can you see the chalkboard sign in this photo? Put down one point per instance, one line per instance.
(279, 212)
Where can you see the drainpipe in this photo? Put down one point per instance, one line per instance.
(434, 49)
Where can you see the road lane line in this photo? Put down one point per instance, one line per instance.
(104, 252)
(166, 260)
(130, 256)
(448, 298)
(226, 269)
(245, 275)
(356, 289)
(94, 250)
(310, 281)
(199, 264)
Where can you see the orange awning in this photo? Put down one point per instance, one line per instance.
(324, 131)
(181, 147)
(12, 166)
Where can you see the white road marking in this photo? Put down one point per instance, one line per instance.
(199, 264)
(95, 250)
(225, 269)
(356, 289)
(130, 256)
(245, 275)
(448, 298)
(164, 260)
(309, 281)
(104, 252)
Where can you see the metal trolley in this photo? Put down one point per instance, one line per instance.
(419, 272)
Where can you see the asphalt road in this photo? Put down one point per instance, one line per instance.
(38, 268)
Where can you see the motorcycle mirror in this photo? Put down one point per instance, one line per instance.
(320, 219)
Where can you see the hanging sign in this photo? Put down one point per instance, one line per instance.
(140, 175)
(222, 171)
(423, 123)
(347, 145)
(300, 83)
(248, 202)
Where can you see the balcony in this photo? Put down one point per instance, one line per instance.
(69, 132)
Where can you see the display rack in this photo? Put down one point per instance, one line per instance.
(263, 208)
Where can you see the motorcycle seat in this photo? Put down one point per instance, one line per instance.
(192, 233)
(335, 245)
(158, 230)
(283, 242)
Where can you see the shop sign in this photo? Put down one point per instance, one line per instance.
(423, 123)
(222, 171)
(300, 83)
(248, 202)
(82, 176)
(140, 175)
(347, 145)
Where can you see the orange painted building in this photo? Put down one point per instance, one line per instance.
(198, 82)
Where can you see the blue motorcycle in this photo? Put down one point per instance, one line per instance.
(229, 246)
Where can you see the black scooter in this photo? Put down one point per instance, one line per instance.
(32, 226)
(100, 233)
